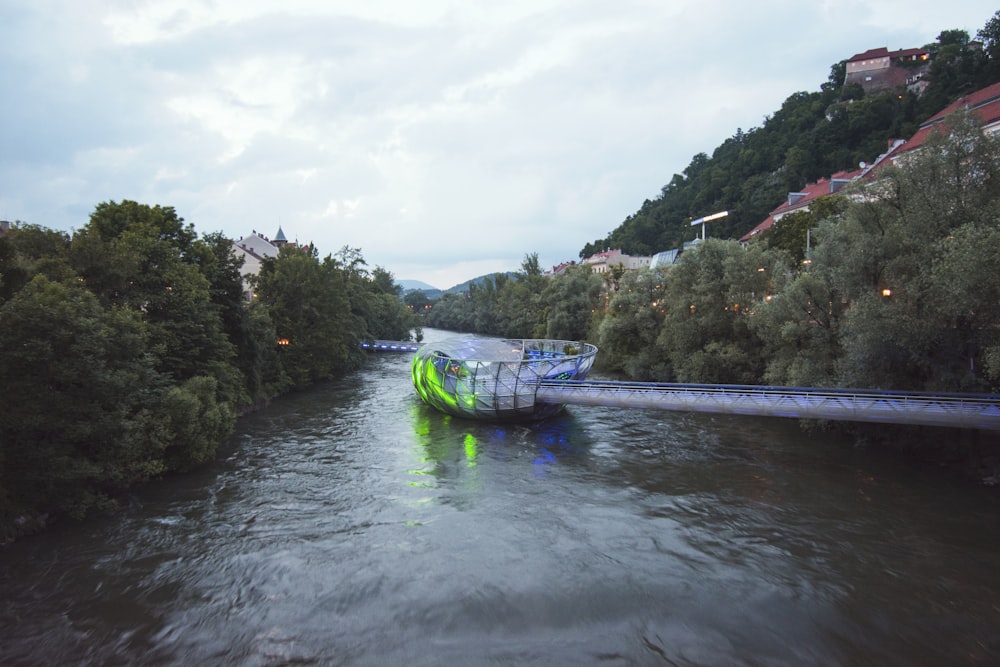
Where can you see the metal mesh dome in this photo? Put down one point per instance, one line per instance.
(488, 378)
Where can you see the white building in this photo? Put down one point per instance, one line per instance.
(254, 249)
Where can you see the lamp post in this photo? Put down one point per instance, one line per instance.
(701, 221)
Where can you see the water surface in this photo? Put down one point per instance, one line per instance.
(350, 524)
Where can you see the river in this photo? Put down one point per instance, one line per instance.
(352, 525)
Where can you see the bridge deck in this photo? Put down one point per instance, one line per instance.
(954, 410)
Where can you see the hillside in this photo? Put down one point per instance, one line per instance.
(812, 135)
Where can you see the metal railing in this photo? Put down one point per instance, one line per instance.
(974, 411)
(390, 346)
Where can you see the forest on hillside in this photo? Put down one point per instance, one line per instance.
(812, 135)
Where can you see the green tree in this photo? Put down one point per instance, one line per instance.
(895, 256)
(318, 335)
(572, 302)
(520, 302)
(713, 290)
(799, 329)
(417, 301)
(452, 312)
(81, 393)
(27, 250)
(628, 332)
(990, 37)
(147, 259)
(792, 233)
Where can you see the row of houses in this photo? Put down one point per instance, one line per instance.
(873, 70)
(984, 104)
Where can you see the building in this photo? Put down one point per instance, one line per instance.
(881, 69)
(601, 262)
(560, 269)
(662, 260)
(984, 104)
(800, 201)
(254, 249)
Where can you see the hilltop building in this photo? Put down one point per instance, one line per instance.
(881, 69)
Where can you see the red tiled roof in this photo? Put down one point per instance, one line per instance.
(984, 104)
(870, 54)
(809, 193)
(883, 52)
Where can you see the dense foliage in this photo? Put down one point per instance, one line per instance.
(899, 290)
(812, 135)
(130, 348)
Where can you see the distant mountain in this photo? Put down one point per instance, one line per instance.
(464, 287)
(434, 293)
(410, 285)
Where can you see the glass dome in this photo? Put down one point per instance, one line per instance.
(495, 379)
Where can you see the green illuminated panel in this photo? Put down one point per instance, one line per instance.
(496, 379)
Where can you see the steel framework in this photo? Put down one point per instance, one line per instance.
(955, 410)
(496, 379)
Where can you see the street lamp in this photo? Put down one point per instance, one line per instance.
(701, 221)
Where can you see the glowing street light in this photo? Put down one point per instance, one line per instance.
(701, 221)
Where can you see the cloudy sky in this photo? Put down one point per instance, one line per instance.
(444, 138)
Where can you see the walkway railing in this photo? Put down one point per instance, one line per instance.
(391, 346)
(955, 410)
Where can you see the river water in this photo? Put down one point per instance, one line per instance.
(352, 525)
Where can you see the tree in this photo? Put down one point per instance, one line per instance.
(452, 312)
(898, 255)
(417, 301)
(572, 301)
(835, 80)
(27, 250)
(520, 302)
(628, 332)
(78, 424)
(793, 232)
(799, 329)
(990, 36)
(318, 335)
(146, 259)
(712, 291)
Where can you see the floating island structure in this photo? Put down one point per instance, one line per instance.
(491, 379)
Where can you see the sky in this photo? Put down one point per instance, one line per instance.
(445, 139)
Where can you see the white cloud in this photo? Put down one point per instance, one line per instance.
(445, 138)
